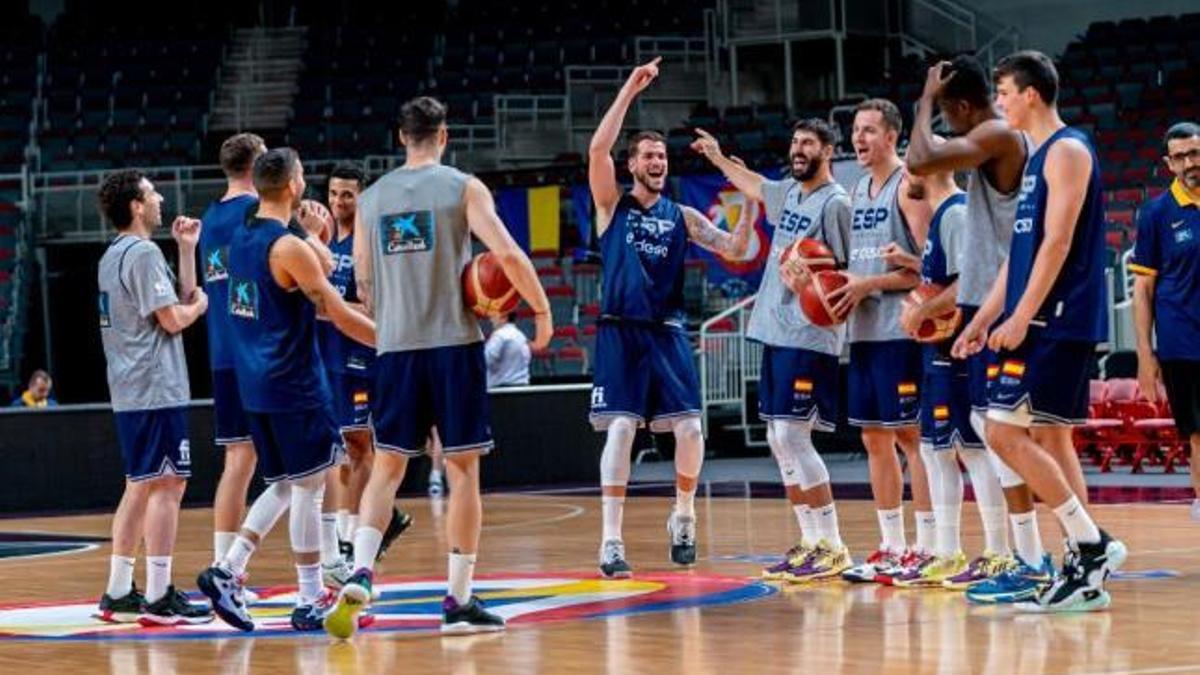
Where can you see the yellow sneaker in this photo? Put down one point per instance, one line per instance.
(936, 572)
(826, 562)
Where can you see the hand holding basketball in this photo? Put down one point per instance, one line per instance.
(845, 297)
(315, 219)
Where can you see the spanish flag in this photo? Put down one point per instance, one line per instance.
(941, 412)
(802, 386)
(992, 371)
(907, 389)
(532, 216)
(1013, 368)
(361, 398)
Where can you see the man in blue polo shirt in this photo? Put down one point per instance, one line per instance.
(1166, 260)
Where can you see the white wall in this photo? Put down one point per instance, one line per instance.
(1048, 25)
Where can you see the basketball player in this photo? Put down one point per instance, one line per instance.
(1166, 260)
(798, 389)
(350, 368)
(283, 387)
(412, 240)
(644, 369)
(888, 207)
(141, 324)
(222, 217)
(1051, 300)
(994, 155)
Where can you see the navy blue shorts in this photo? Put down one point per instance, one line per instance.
(1043, 382)
(977, 367)
(154, 443)
(799, 384)
(444, 387)
(293, 445)
(946, 406)
(351, 400)
(229, 418)
(883, 388)
(643, 372)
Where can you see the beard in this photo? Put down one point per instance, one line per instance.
(647, 182)
(1191, 178)
(811, 167)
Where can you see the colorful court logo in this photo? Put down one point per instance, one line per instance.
(414, 606)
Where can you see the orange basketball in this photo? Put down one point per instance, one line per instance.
(807, 254)
(486, 290)
(938, 328)
(814, 297)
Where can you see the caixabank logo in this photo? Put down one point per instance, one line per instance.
(414, 606)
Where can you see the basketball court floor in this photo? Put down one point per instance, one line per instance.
(537, 567)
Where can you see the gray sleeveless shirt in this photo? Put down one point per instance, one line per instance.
(416, 223)
(823, 214)
(875, 223)
(990, 216)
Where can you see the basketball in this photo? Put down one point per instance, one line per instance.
(807, 255)
(814, 297)
(486, 290)
(938, 328)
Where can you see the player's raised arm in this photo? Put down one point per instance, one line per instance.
(485, 224)
(602, 173)
(295, 261)
(745, 180)
(708, 236)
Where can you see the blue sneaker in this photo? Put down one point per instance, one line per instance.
(1020, 584)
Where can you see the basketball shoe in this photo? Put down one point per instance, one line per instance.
(612, 560)
(1080, 586)
(354, 597)
(683, 539)
(984, 567)
(1019, 583)
(224, 590)
(936, 571)
(825, 562)
(173, 609)
(396, 526)
(336, 575)
(795, 557)
(879, 561)
(468, 618)
(125, 609)
(912, 566)
(310, 617)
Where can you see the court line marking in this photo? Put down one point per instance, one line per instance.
(1146, 671)
(87, 548)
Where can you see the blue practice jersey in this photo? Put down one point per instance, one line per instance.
(1075, 307)
(643, 252)
(219, 222)
(274, 330)
(1168, 249)
(341, 353)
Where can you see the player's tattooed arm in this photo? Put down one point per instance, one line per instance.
(295, 265)
(708, 236)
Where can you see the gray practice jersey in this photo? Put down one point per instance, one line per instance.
(146, 366)
(823, 214)
(990, 215)
(876, 223)
(416, 223)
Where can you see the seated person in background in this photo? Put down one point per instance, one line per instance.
(507, 353)
(37, 395)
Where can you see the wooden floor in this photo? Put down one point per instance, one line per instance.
(1152, 627)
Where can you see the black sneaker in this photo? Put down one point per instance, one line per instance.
(225, 591)
(468, 618)
(612, 560)
(1080, 586)
(173, 609)
(683, 539)
(399, 523)
(125, 609)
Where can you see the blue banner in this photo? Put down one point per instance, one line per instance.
(716, 198)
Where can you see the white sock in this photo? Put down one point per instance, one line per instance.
(351, 526)
(330, 553)
(343, 525)
(120, 576)
(685, 502)
(891, 525)
(435, 477)
(221, 543)
(1027, 538)
(309, 580)
(613, 509)
(804, 522)
(239, 555)
(995, 533)
(366, 546)
(460, 569)
(926, 531)
(825, 518)
(947, 522)
(158, 576)
(1076, 521)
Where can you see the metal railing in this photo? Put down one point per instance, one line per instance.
(530, 114)
(727, 363)
(10, 327)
